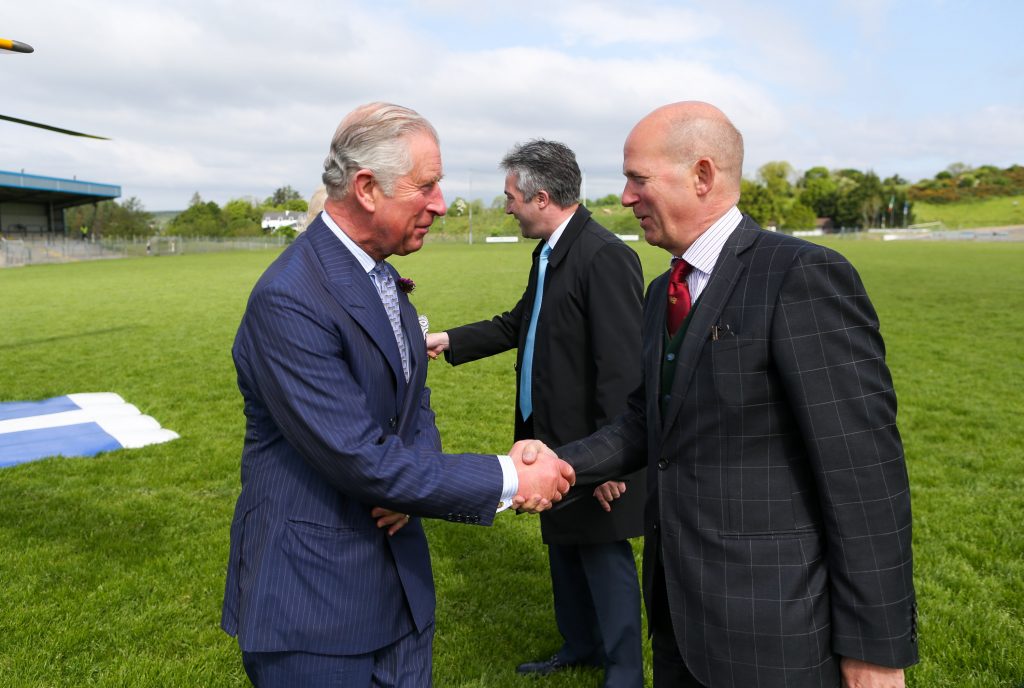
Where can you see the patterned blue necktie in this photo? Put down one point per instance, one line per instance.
(526, 369)
(389, 296)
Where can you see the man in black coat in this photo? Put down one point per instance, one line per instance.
(577, 333)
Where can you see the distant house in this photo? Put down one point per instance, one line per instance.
(826, 225)
(274, 221)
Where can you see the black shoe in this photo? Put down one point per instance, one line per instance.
(545, 666)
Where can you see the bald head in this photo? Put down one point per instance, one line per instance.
(691, 130)
(683, 164)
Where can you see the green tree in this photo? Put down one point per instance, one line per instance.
(94, 216)
(243, 217)
(799, 216)
(299, 205)
(860, 199)
(847, 209)
(112, 219)
(610, 199)
(759, 203)
(130, 219)
(775, 176)
(819, 191)
(458, 207)
(282, 196)
(958, 168)
(199, 219)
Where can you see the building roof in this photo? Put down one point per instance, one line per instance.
(290, 215)
(63, 193)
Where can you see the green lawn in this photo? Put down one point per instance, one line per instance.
(989, 212)
(112, 568)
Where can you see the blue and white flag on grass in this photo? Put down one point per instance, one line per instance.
(74, 425)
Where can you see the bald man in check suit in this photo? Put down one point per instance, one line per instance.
(778, 524)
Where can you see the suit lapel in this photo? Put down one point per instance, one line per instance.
(349, 284)
(569, 236)
(654, 344)
(708, 312)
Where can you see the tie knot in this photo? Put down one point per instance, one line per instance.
(680, 268)
(545, 252)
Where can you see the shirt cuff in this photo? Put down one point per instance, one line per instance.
(510, 482)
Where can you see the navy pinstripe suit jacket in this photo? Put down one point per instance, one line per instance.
(333, 429)
(780, 507)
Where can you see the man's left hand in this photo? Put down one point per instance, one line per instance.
(394, 521)
(860, 674)
(608, 492)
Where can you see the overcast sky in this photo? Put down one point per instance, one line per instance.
(235, 99)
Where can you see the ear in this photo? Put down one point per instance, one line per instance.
(542, 198)
(364, 186)
(704, 172)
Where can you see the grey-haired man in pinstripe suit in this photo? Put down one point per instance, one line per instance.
(329, 580)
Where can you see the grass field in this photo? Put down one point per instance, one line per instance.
(990, 212)
(111, 569)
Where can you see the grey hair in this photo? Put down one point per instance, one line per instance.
(545, 165)
(372, 137)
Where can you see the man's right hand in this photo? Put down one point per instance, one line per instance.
(437, 344)
(543, 477)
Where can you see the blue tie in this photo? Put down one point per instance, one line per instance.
(389, 297)
(526, 370)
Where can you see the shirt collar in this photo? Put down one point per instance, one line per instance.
(555, 235)
(362, 256)
(703, 253)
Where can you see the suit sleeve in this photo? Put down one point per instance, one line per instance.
(831, 360)
(297, 364)
(617, 449)
(615, 308)
(485, 338)
(489, 337)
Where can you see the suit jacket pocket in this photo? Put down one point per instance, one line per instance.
(319, 529)
(770, 534)
(739, 366)
(337, 588)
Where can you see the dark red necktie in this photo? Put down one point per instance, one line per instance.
(678, 296)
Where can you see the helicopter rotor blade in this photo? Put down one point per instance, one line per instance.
(52, 128)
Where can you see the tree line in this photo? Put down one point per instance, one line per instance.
(238, 217)
(850, 198)
(778, 196)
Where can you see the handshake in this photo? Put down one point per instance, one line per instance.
(543, 477)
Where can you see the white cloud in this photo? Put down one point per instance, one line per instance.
(235, 99)
(603, 24)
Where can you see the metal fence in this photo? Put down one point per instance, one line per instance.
(41, 250)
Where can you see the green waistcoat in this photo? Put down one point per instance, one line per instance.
(670, 356)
